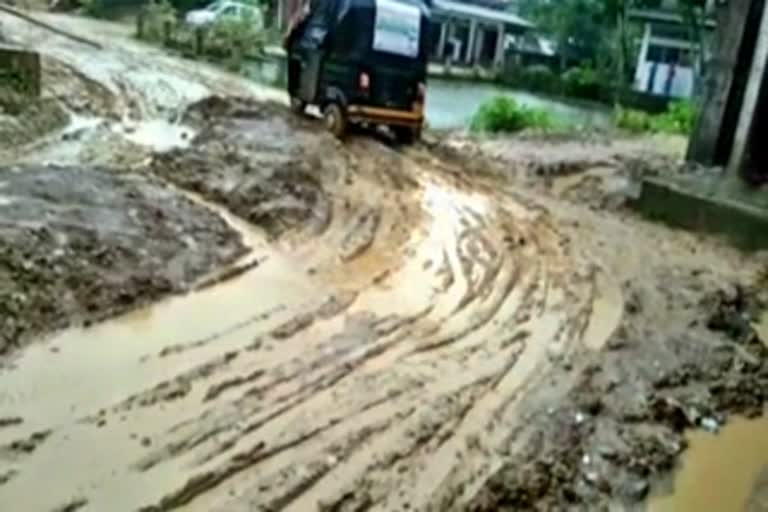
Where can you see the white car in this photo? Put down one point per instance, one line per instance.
(225, 10)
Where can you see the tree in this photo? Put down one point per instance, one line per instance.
(597, 30)
(575, 24)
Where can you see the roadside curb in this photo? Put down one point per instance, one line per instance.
(743, 225)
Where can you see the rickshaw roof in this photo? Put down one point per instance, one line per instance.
(341, 7)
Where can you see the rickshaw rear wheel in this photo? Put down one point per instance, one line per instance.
(406, 134)
(298, 106)
(335, 120)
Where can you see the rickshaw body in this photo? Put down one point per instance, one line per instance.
(362, 62)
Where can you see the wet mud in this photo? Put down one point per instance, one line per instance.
(262, 165)
(453, 326)
(685, 352)
(80, 245)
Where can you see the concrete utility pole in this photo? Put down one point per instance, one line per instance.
(723, 85)
(747, 150)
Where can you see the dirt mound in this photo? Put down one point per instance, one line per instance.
(253, 158)
(78, 245)
(590, 170)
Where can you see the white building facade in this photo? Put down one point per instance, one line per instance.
(668, 61)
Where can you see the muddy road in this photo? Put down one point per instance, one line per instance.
(411, 329)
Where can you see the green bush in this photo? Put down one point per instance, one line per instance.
(534, 78)
(581, 81)
(539, 78)
(679, 118)
(156, 15)
(236, 36)
(634, 121)
(503, 114)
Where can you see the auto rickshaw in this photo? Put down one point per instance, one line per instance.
(361, 62)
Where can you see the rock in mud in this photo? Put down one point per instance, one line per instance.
(78, 245)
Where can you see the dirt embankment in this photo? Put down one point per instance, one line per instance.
(596, 171)
(79, 245)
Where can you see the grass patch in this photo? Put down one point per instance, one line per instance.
(159, 16)
(679, 118)
(503, 114)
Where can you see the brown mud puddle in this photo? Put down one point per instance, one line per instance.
(408, 340)
(723, 472)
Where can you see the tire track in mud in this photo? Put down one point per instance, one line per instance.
(376, 363)
(479, 287)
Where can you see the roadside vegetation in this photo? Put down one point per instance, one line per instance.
(583, 82)
(233, 39)
(679, 118)
(503, 114)
(159, 16)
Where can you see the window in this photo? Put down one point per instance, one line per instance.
(668, 55)
(655, 53)
(670, 31)
(672, 56)
(229, 10)
(215, 6)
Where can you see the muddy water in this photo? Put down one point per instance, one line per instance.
(723, 472)
(607, 311)
(159, 135)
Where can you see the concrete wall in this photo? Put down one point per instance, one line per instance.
(20, 71)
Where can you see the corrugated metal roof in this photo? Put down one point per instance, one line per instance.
(478, 12)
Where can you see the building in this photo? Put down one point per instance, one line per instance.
(668, 61)
(466, 34)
